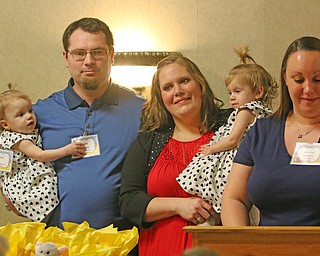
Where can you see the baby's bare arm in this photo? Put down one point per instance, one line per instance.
(27, 147)
(243, 119)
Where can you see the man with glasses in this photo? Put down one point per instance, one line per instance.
(105, 116)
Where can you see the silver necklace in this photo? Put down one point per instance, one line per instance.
(302, 134)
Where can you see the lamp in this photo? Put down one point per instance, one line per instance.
(140, 58)
(136, 69)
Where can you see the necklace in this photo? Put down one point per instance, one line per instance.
(300, 134)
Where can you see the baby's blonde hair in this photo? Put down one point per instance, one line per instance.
(249, 72)
(7, 97)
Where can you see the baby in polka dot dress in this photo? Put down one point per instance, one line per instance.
(251, 89)
(30, 188)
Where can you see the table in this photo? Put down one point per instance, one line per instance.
(258, 241)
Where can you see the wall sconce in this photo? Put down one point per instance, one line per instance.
(136, 69)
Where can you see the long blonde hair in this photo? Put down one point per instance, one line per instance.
(249, 72)
(154, 113)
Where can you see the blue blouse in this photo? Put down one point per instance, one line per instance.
(286, 195)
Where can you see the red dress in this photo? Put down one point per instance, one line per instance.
(166, 236)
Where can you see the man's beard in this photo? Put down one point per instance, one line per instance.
(90, 84)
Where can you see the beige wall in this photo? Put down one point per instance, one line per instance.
(206, 31)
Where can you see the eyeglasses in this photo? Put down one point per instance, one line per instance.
(96, 54)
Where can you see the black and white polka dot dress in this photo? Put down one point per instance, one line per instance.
(31, 186)
(207, 176)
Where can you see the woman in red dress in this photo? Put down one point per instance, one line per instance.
(181, 114)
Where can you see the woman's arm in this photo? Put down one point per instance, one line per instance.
(235, 201)
(193, 209)
(142, 208)
(243, 119)
(133, 191)
(33, 151)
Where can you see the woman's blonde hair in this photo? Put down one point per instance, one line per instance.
(249, 72)
(154, 113)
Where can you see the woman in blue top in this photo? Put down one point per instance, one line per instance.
(264, 171)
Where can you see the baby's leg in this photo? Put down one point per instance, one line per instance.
(10, 206)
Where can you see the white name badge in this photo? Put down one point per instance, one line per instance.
(306, 154)
(6, 157)
(92, 144)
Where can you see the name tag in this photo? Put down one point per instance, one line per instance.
(6, 157)
(92, 144)
(306, 154)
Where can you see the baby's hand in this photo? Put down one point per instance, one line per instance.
(205, 150)
(77, 149)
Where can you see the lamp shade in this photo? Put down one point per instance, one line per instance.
(140, 58)
(136, 69)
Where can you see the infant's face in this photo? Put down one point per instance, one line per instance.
(19, 117)
(240, 93)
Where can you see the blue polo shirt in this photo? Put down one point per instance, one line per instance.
(89, 187)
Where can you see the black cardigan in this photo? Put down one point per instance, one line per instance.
(137, 165)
